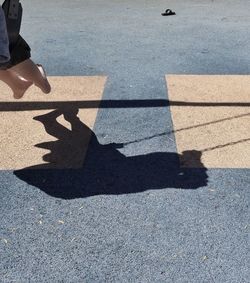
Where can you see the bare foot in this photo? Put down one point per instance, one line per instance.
(18, 92)
(44, 84)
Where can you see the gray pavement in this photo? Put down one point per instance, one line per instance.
(121, 218)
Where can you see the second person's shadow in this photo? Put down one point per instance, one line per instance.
(104, 170)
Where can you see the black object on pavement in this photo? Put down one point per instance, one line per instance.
(168, 12)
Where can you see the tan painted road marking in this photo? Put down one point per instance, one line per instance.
(211, 114)
(21, 134)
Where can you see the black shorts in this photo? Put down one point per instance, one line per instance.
(19, 52)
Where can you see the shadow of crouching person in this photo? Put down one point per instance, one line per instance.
(96, 169)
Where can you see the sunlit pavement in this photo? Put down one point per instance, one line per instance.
(136, 167)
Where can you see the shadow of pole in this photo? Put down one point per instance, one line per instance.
(88, 104)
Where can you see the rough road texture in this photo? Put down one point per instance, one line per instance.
(130, 214)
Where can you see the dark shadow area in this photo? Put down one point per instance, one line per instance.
(105, 170)
(134, 103)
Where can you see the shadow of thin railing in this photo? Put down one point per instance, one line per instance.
(135, 103)
(104, 170)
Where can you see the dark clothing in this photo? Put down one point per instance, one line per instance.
(19, 49)
(4, 40)
(18, 53)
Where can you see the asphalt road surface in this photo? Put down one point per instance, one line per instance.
(136, 167)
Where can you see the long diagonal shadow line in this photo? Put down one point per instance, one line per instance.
(225, 145)
(187, 128)
(135, 103)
